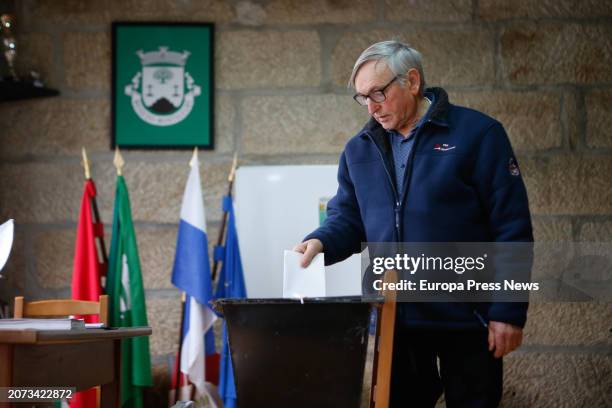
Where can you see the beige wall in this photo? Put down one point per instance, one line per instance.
(541, 67)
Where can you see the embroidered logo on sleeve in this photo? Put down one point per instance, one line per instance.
(443, 147)
(513, 167)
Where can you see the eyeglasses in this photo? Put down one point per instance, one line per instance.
(376, 96)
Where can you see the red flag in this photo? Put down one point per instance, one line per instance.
(86, 273)
(86, 270)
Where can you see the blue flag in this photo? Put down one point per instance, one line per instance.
(191, 274)
(230, 285)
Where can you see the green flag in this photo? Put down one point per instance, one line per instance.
(127, 301)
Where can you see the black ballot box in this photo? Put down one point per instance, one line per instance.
(289, 353)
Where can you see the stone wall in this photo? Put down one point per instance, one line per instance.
(540, 67)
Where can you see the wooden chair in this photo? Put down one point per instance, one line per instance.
(383, 347)
(62, 307)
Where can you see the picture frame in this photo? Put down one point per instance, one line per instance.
(162, 85)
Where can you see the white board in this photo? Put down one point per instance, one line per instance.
(276, 207)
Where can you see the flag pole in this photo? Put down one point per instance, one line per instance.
(97, 219)
(118, 161)
(230, 181)
(86, 164)
(177, 365)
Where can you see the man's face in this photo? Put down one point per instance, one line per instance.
(399, 110)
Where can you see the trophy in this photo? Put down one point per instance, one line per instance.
(9, 44)
(6, 242)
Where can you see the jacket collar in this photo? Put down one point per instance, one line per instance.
(439, 110)
(438, 115)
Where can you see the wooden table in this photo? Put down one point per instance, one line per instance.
(65, 358)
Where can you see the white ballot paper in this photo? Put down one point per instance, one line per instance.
(301, 282)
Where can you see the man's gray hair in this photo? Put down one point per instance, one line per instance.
(399, 57)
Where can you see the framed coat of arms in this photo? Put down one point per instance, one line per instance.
(162, 85)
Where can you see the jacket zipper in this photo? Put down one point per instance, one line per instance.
(410, 165)
(480, 318)
(395, 194)
(407, 176)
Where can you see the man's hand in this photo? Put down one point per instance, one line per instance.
(309, 248)
(504, 337)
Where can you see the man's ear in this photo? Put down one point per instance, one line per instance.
(414, 81)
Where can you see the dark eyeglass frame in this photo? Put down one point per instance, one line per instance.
(377, 96)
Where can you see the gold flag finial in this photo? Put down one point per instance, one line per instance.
(232, 173)
(118, 161)
(194, 157)
(86, 164)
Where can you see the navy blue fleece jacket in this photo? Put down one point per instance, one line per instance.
(462, 184)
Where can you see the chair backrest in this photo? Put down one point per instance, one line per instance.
(62, 307)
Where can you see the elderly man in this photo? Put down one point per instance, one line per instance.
(425, 170)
